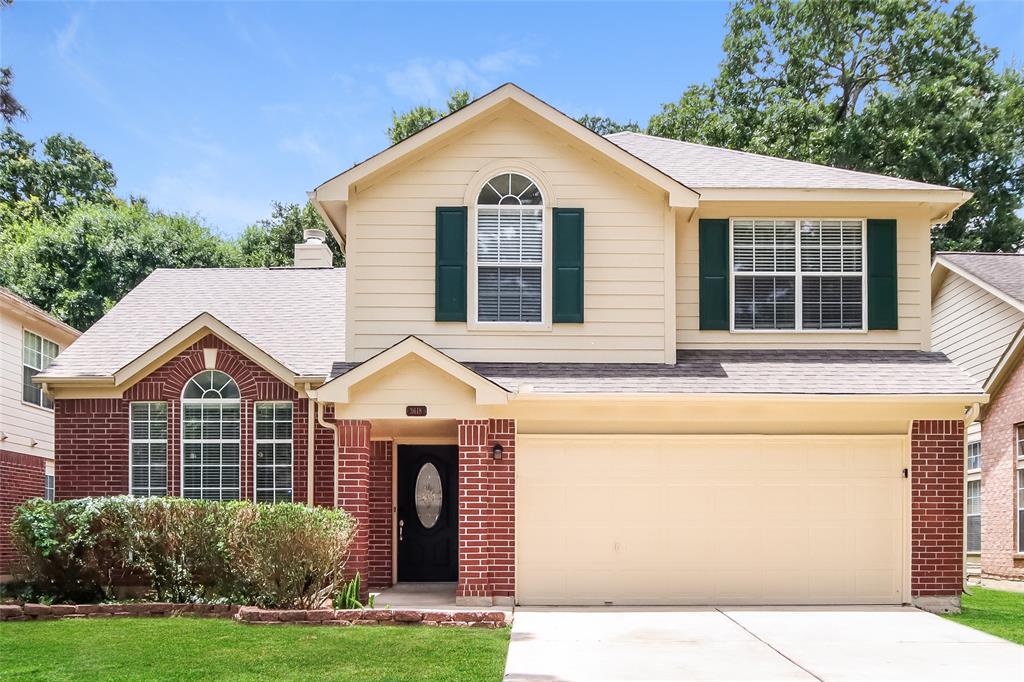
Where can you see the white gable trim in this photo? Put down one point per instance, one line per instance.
(938, 276)
(337, 390)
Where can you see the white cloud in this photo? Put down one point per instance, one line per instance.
(67, 37)
(204, 190)
(304, 144)
(430, 80)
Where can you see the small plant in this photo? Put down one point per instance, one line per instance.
(348, 596)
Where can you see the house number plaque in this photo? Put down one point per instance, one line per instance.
(415, 410)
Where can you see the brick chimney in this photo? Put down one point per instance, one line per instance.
(314, 252)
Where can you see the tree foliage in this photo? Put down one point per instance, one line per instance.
(602, 125)
(899, 87)
(271, 242)
(416, 119)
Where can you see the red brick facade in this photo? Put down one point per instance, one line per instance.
(999, 552)
(354, 488)
(486, 510)
(23, 477)
(937, 508)
(379, 572)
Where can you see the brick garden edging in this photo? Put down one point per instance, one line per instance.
(252, 615)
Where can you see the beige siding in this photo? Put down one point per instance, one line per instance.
(22, 422)
(971, 326)
(913, 261)
(390, 256)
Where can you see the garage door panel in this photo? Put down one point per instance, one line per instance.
(706, 520)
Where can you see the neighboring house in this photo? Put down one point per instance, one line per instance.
(978, 322)
(561, 368)
(30, 338)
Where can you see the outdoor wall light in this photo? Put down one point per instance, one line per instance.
(497, 451)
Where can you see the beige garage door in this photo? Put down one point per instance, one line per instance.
(710, 520)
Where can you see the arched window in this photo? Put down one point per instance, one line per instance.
(509, 250)
(210, 437)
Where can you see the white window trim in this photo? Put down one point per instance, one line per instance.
(472, 299)
(797, 275)
(256, 441)
(1018, 443)
(132, 440)
(220, 441)
(967, 458)
(972, 552)
(22, 366)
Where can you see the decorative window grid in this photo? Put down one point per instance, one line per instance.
(1020, 488)
(49, 487)
(36, 355)
(509, 250)
(211, 437)
(798, 274)
(974, 456)
(273, 452)
(972, 508)
(148, 444)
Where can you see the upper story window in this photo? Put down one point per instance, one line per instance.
(509, 250)
(798, 274)
(36, 355)
(210, 437)
(974, 455)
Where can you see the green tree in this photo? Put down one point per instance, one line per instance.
(900, 87)
(416, 119)
(51, 180)
(10, 107)
(602, 125)
(78, 267)
(271, 242)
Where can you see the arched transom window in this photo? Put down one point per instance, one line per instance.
(509, 250)
(210, 437)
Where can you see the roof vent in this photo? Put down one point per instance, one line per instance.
(313, 252)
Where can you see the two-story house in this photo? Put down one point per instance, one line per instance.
(30, 338)
(978, 322)
(561, 368)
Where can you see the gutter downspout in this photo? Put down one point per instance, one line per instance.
(971, 414)
(334, 429)
(310, 448)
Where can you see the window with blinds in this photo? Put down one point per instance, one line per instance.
(148, 461)
(798, 274)
(509, 250)
(36, 355)
(211, 437)
(273, 452)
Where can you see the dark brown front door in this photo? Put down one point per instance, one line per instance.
(428, 514)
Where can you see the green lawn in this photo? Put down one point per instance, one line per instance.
(994, 611)
(194, 648)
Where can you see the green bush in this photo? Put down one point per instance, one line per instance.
(277, 556)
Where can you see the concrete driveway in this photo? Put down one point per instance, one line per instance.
(782, 643)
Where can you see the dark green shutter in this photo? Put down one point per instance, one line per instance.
(883, 285)
(450, 273)
(714, 273)
(567, 259)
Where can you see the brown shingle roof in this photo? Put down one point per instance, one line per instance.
(293, 314)
(1002, 271)
(839, 372)
(702, 167)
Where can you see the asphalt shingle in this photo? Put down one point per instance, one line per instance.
(1003, 271)
(296, 315)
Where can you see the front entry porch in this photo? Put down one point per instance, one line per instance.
(460, 534)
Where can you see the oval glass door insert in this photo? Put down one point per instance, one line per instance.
(428, 495)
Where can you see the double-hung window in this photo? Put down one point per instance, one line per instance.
(798, 274)
(49, 487)
(273, 452)
(148, 449)
(974, 456)
(972, 508)
(509, 250)
(210, 437)
(36, 355)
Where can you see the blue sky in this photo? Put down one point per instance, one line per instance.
(218, 109)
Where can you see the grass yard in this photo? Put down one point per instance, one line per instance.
(194, 648)
(995, 612)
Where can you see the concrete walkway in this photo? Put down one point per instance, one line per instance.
(789, 643)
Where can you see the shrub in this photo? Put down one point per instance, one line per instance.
(284, 555)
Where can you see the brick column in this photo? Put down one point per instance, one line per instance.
(486, 512)
(22, 477)
(937, 514)
(354, 489)
(380, 514)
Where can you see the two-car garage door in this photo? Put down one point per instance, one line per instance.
(710, 520)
